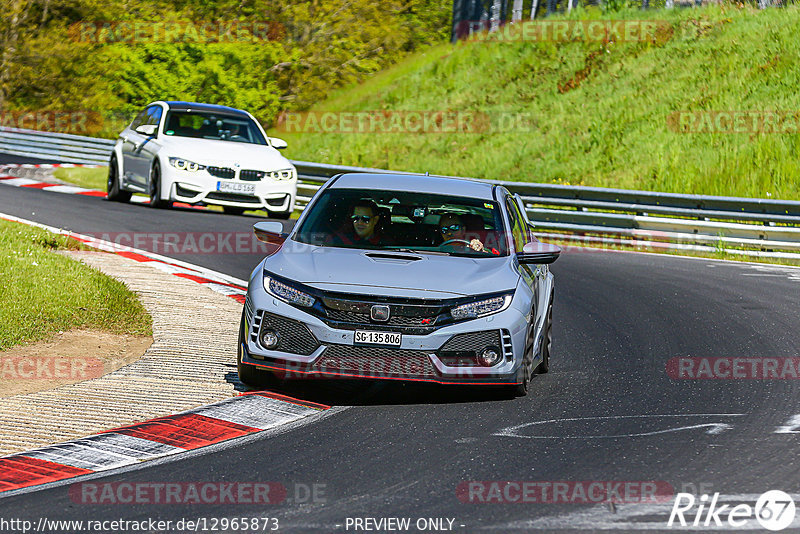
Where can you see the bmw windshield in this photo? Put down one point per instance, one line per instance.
(217, 126)
(405, 221)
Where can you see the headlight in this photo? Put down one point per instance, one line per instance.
(283, 174)
(481, 308)
(185, 165)
(287, 293)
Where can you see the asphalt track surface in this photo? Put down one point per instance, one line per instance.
(402, 450)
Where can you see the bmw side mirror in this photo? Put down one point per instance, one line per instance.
(270, 232)
(148, 130)
(280, 144)
(536, 253)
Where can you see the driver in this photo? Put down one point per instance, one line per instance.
(451, 227)
(363, 228)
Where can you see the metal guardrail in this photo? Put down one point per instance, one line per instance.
(760, 224)
(64, 148)
(715, 222)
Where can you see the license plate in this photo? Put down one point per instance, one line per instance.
(236, 187)
(367, 337)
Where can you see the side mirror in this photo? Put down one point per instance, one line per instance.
(270, 232)
(148, 130)
(536, 253)
(280, 144)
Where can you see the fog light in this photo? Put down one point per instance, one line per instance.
(489, 357)
(269, 339)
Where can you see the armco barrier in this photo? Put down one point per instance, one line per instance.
(763, 226)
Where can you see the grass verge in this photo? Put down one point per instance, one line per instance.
(87, 177)
(43, 293)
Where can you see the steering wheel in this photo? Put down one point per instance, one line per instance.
(451, 241)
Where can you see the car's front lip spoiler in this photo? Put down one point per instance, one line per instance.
(315, 373)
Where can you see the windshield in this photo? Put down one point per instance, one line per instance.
(217, 126)
(405, 221)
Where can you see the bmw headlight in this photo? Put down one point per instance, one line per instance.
(186, 165)
(287, 293)
(481, 308)
(283, 174)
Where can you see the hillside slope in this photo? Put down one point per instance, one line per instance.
(599, 112)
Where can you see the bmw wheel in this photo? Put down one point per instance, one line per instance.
(155, 189)
(114, 190)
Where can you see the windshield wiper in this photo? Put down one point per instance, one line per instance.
(418, 251)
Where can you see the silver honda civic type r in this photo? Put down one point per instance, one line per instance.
(401, 277)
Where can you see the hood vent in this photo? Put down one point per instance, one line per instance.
(396, 258)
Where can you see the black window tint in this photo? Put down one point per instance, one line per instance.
(140, 119)
(518, 225)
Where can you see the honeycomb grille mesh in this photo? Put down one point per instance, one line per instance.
(376, 361)
(295, 337)
(472, 342)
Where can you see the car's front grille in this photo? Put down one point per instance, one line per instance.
(412, 318)
(394, 320)
(221, 172)
(463, 349)
(233, 197)
(251, 175)
(375, 361)
(294, 337)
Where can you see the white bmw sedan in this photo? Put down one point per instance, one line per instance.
(202, 154)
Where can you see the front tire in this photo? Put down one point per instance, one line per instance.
(521, 389)
(114, 190)
(547, 340)
(155, 189)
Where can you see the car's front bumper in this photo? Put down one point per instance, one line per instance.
(319, 350)
(201, 187)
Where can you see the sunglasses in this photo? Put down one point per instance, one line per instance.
(451, 228)
(363, 218)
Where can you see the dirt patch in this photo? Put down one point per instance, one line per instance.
(67, 358)
(592, 61)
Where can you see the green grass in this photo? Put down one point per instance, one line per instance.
(43, 293)
(84, 177)
(610, 129)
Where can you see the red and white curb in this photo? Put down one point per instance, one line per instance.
(63, 188)
(240, 416)
(216, 281)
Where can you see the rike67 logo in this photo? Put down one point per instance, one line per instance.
(774, 510)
